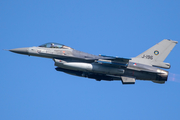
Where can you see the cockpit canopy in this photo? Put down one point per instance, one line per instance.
(54, 45)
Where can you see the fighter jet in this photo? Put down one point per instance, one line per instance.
(146, 66)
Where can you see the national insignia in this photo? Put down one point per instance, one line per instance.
(156, 52)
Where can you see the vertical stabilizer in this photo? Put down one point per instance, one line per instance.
(159, 52)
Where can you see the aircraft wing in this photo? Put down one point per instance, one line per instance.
(117, 59)
(113, 61)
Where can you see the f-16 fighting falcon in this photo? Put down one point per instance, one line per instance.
(145, 66)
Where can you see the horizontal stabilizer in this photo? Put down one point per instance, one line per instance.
(161, 64)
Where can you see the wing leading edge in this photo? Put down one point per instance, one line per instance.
(113, 61)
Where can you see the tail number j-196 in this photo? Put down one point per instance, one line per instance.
(148, 57)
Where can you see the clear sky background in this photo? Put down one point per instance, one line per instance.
(30, 87)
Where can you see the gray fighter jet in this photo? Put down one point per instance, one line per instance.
(145, 66)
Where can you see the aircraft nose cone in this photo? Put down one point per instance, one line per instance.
(20, 50)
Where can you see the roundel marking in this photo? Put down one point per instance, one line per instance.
(156, 52)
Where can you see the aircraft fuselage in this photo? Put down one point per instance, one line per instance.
(100, 67)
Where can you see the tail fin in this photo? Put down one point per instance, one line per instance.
(159, 52)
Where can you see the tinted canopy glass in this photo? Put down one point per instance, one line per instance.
(54, 45)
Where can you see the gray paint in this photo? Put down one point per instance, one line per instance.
(74, 62)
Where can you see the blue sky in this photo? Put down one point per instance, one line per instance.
(30, 87)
